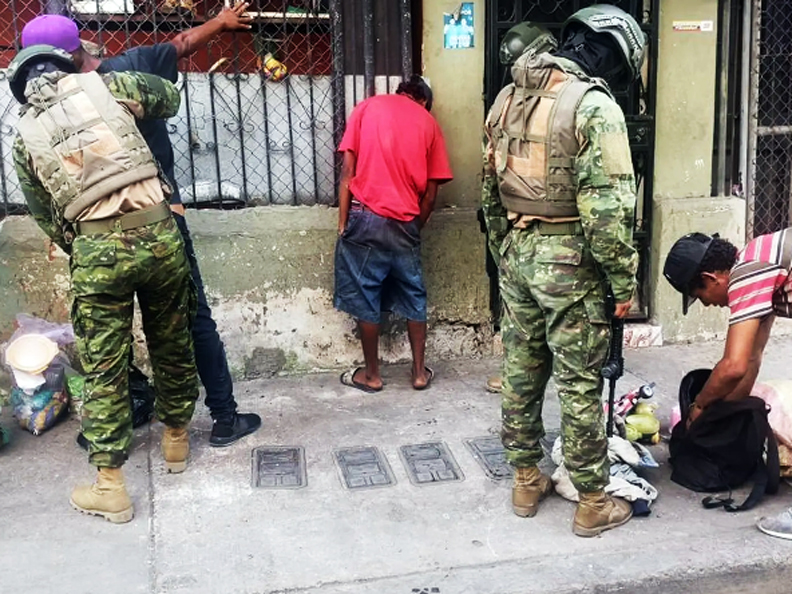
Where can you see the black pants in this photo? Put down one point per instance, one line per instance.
(210, 356)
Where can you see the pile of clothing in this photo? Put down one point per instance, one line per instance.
(626, 459)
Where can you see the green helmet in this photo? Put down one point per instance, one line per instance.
(623, 28)
(44, 58)
(523, 37)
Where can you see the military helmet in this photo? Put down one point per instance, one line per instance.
(44, 58)
(622, 27)
(523, 37)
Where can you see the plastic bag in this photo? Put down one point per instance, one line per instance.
(47, 404)
(38, 406)
(62, 334)
(75, 386)
(141, 395)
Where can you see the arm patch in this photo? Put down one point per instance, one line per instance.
(616, 157)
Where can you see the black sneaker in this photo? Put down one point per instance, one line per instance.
(224, 433)
(82, 442)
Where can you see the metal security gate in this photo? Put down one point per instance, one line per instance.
(262, 110)
(638, 102)
(769, 191)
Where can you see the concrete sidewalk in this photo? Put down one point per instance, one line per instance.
(209, 531)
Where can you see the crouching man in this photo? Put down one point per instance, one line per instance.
(94, 187)
(755, 285)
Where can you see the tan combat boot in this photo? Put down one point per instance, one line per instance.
(175, 448)
(495, 384)
(598, 512)
(107, 497)
(530, 487)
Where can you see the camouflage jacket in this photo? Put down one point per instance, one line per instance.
(606, 192)
(147, 97)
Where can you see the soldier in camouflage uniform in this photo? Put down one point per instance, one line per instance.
(94, 187)
(520, 39)
(559, 195)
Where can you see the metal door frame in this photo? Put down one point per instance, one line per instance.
(639, 104)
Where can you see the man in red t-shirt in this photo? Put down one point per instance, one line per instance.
(756, 285)
(394, 160)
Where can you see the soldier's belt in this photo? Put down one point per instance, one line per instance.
(545, 228)
(132, 220)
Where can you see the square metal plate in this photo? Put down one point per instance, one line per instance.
(430, 463)
(279, 467)
(491, 456)
(363, 467)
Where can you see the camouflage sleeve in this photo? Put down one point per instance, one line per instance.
(148, 96)
(606, 190)
(38, 199)
(494, 213)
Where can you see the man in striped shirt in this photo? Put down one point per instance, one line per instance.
(756, 285)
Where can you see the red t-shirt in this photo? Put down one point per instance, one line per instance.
(399, 147)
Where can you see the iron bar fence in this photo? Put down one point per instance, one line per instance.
(769, 192)
(262, 110)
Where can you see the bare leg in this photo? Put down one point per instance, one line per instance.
(369, 338)
(417, 334)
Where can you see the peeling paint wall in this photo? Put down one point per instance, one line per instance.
(268, 273)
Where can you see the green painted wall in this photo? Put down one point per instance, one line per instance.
(457, 78)
(685, 100)
(268, 273)
(683, 161)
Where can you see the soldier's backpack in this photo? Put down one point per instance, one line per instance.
(729, 444)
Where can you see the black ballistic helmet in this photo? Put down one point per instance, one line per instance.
(620, 26)
(523, 37)
(34, 61)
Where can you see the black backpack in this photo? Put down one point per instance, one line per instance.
(725, 448)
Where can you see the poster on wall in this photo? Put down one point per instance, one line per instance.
(458, 27)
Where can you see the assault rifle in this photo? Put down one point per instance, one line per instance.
(614, 365)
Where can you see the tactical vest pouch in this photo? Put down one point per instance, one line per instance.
(84, 145)
(532, 123)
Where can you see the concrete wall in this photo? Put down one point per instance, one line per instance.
(268, 273)
(683, 162)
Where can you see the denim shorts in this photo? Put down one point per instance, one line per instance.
(378, 268)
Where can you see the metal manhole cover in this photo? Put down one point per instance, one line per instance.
(279, 467)
(430, 463)
(491, 456)
(363, 467)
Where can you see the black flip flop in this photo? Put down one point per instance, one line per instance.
(428, 381)
(348, 379)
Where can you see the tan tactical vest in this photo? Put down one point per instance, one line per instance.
(83, 143)
(532, 126)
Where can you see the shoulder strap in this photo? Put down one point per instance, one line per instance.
(766, 477)
(495, 117)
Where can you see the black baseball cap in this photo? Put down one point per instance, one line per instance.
(683, 263)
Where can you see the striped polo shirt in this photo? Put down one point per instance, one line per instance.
(760, 283)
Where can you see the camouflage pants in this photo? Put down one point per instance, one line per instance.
(107, 271)
(554, 324)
